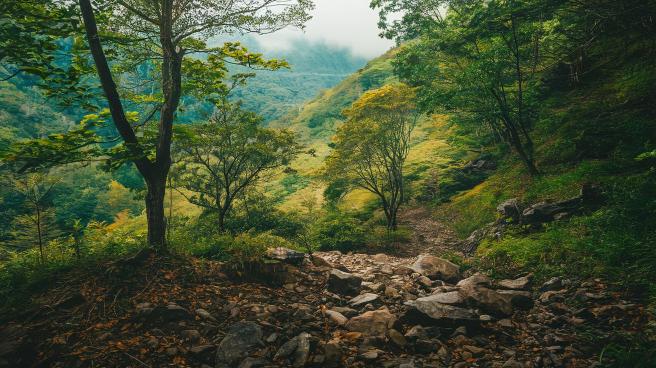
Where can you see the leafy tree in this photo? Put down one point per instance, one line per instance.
(231, 153)
(372, 145)
(38, 225)
(477, 59)
(157, 40)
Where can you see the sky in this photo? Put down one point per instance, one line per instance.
(347, 23)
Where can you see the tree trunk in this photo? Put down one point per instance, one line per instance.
(221, 222)
(155, 212)
(38, 230)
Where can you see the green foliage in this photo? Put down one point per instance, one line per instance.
(339, 231)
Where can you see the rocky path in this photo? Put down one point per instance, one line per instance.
(325, 310)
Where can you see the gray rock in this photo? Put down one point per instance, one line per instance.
(555, 283)
(343, 283)
(521, 283)
(286, 255)
(476, 279)
(442, 313)
(510, 209)
(242, 339)
(518, 298)
(488, 300)
(451, 298)
(363, 299)
(436, 268)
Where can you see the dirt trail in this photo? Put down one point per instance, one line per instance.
(329, 310)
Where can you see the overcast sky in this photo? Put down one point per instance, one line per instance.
(349, 23)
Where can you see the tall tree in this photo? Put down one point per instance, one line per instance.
(477, 59)
(164, 37)
(227, 156)
(372, 145)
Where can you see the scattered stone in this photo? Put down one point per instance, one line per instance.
(436, 268)
(344, 283)
(363, 299)
(397, 338)
(241, 339)
(336, 317)
(521, 283)
(451, 298)
(555, 283)
(374, 323)
(477, 279)
(488, 300)
(202, 313)
(519, 299)
(442, 313)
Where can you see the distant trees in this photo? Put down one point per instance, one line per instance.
(371, 147)
(476, 59)
(221, 159)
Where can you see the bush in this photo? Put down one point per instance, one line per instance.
(338, 231)
(380, 236)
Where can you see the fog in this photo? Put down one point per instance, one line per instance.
(348, 23)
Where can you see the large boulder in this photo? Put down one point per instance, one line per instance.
(436, 268)
(374, 323)
(242, 339)
(344, 283)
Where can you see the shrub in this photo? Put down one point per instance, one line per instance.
(338, 231)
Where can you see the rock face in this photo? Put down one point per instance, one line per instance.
(436, 268)
(242, 339)
(344, 283)
(374, 323)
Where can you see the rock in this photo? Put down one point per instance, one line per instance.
(451, 298)
(203, 353)
(512, 363)
(374, 323)
(442, 313)
(510, 209)
(391, 292)
(403, 271)
(397, 338)
(436, 268)
(286, 255)
(555, 283)
(192, 336)
(519, 299)
(521, 283)
(202, 313)
(242, 338)
(298, 349)
(477, 279)
(370, 355)
(475, 350)
(363, 299)
(169, 313)
(333, 354)
(253, 363)
(488, 300)
(302, 351)
(320, 262)
(343, 283)
(424, 281)
(380, 258)
(387, 269)
(346, 311)
(336, 317)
